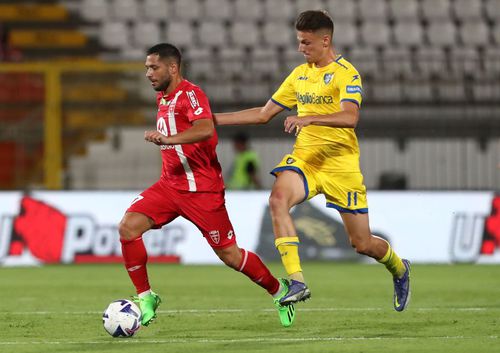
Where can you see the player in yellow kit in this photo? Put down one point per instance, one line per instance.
(327, 91)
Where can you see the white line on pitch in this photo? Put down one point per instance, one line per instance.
(222, 311)
(242, 340)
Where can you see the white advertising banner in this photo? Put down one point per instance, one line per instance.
(82, 227)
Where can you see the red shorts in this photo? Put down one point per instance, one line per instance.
(206, 210)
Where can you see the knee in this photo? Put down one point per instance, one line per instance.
(277, 200)
(127, 231)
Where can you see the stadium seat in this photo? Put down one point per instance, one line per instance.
(278, 34)
(441, 33)
(220, 92)
(493, 10)
(467, 10)
(372, 10)
(345, 34)
(264, 62)
(404, 10)
(218, 9)
(157, 10)
(464, 60)
(187, 9)
(180, 33)
(384, 91)
(199, 63)
(375, 33)
(304, 5)
(233, 62)
(255, 92)
(94, 10)
(474, 33)
(124, 10)
(244, 33)
(451, 89)
(417, 90)
(212, 33)
(408, 32)
(250, 10)
(431, 61)
(146, 34)
(341, 10)
(282, 10)
(397, 61)
(436, 10)
(485, 88)
(366, 60)
(491, 61)
(114, 35)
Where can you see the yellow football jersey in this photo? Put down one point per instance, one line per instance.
(319, 91)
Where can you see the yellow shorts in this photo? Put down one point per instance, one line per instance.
(343, 191)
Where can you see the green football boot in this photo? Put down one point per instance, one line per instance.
(285, 312)
(148, 305)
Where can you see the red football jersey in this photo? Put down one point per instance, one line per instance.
(190, 167)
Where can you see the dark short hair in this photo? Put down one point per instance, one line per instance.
(314, 20)
(166, 50)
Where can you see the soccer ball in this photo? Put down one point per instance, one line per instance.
(122, 318)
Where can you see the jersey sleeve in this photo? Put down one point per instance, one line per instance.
(285, 96)
(350, 87)
(198, 106)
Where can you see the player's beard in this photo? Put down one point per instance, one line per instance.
(164, 85)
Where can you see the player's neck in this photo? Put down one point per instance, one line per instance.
(327, 59)
(173, 85)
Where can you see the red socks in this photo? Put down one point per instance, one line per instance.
(252, 266)
(136, 257)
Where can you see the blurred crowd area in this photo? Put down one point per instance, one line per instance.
(74, 100)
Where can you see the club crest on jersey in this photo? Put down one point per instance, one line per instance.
(290, 160)
(214, 235)
(327, 78)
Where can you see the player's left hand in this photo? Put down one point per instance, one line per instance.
(156, 137)
(294, 123)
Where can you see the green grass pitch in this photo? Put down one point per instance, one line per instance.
(454, 308)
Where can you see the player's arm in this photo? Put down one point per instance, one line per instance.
(260, 115)
(347, 117)
(202, 129)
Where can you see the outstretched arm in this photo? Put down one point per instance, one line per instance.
(202, 129)
(260, 115)
(347, 118)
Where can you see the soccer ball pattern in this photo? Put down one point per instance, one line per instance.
(122, 318)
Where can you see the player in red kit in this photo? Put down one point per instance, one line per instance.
(190, 185)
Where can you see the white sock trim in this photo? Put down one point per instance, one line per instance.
(145, 293)
(280, 289)
(244, 262)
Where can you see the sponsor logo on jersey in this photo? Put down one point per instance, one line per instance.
(354, 78)
(198, 111)
(290, 160)
(327, 78)
(214, 235)
(230, 234)
(192, 99)
(353, 89)
(302, 78)
(312, 98)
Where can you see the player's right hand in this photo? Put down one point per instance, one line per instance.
(156, 137)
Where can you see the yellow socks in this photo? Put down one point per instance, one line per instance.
(288, 248)
(393, 262)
